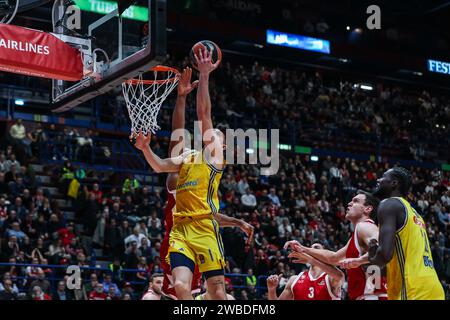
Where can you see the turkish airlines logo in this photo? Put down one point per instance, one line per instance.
(24, 46)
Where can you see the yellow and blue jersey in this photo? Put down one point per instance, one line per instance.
(195, 233)
(197, 187)
(410, 273)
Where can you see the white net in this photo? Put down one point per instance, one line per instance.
(144, 98)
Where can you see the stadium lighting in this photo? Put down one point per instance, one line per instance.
(366, 87)
(19, 102)
(297, 41)
(361, 86)
(284, 147)
(348, 28)
(314, 158)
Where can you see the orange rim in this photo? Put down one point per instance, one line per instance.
(157, 69)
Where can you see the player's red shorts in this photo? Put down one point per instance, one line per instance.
(168, 288)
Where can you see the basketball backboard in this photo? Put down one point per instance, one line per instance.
(115, 48)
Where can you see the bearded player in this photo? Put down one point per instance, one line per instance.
(403, 242)
(154, 288)
(178, 122)
(362, 277)
(194, 238)
(320, 282)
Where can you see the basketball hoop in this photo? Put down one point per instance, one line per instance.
(144, 97)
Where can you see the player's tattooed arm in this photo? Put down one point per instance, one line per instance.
(350, 263)
(336, 275)
(389, 212)
(326, 256)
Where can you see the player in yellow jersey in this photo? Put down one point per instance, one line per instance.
(403, 242)
(194, 238)
(178, 123)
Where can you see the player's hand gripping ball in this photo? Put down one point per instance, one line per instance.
(216, 53)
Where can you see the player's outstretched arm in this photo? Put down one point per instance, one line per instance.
(205, 67)
(326, 256)
(226, 221)
(388, 212)
(210, 136)
(334, 273)
(185, 87)
(350, 263)
(159, 165)
(272, 284)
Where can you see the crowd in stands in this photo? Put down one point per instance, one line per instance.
(323, 107)
(312, 108)
(305, 201)
(319, 109)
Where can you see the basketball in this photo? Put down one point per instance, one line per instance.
(210, 46)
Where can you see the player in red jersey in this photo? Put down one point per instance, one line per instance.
(320, 282)
(178, 122)
(168, 288)
(365, 282)
(154, 288)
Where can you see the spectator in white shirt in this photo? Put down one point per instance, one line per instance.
(243, 185)
(335, 173)
(445, 199)
(12, 161)
(323, 204)
(284, 228)
(155, 218)
(300, 203)
(136, 237)
(274, 198)
(311, 176)
(19, 136)
(32, 271)
(429, 188)
(17, 131)
(423, 203)
(248, 199)
(267, 89)
(251, 102)
(3, 163)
